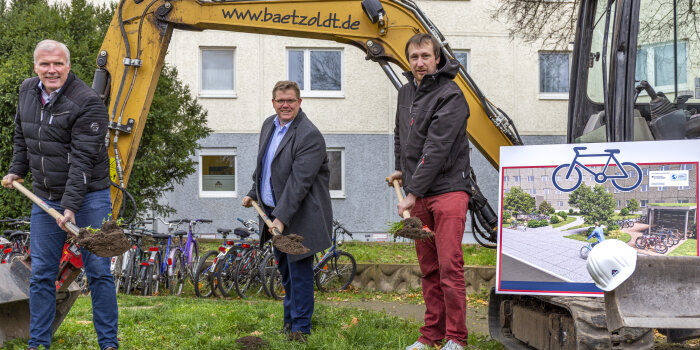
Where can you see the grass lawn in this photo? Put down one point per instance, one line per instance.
(623, 236)
(568, 220)
(688, 248)
(188, 323)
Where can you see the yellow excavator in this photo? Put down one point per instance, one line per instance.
(132, 56)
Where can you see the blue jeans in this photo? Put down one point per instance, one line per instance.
(47, 241)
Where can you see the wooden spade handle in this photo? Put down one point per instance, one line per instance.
(51, 211)
(399, 194)
(267, 220)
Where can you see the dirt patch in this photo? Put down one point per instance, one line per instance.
(108, 241)
(413, 229)
(290, 244)
(251, 343)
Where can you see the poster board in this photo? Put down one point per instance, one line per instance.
(661, 176)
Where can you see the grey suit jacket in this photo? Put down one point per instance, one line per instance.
(300, 178)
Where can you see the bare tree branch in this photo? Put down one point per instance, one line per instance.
(551, 22)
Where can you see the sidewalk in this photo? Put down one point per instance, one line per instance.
(477, 316)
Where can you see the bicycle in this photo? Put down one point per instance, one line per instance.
(649, 240)
(185, 257)
(336, 268)
(585, 250)
(206, 281)
(600, 177)
(225, 270)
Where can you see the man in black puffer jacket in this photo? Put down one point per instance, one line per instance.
(60, 130)
(432, 160)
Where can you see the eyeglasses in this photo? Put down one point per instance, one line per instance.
(289, 102)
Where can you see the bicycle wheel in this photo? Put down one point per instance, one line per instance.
(267, 269)
(629, 168)
(176, 279)
(640, 242)
(225, 271)
(247, 280)
(117, 274)
(204, 277)
(575, 176)
(130, 272)
(154, 276)
(276, 286)
(660, 247)
(336, 272)
(191, 265)
(584, 252)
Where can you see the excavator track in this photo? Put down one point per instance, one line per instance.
(544, 322)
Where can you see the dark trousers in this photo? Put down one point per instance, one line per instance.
(46, 248)
(298, 281)
(442, 264)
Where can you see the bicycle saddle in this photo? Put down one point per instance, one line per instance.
(180, 233)
(223, 230)
(18, 234)
(241, 232)
(162, 236)
(8, 232)
(612, 151)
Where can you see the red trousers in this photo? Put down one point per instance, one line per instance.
(442, 265)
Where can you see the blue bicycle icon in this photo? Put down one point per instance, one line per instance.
(628, 170)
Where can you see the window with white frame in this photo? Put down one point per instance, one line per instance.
(544, 178)
(665, 168)
(546, 191)
(533, 191)
(530, 179)
(217, 75)
(505, 179)
(554, 74)
(318, 72)
(683, 201)
(464, 58)
(645, 188)
(560, 203)
(655, 65)
(217, 172)
(661, 188)
(618, 203)
(516, 178)
(643, 203)
(336, 164)
(686, 166)
(683, 187)
(645, 171)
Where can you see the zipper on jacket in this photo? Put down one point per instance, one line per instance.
(43, 172)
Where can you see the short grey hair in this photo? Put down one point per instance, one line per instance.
(50, 45)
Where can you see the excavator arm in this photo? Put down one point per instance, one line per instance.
(132, 56)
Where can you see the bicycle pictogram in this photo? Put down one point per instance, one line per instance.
(627, 170)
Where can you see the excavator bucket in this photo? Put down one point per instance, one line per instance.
(14, 301)
(662, 293)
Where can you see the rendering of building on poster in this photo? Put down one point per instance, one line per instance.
(642, 193)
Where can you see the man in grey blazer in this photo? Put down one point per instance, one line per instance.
(291, 182)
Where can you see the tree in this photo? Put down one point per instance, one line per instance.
(594, 205)
(517, 200)
(633, 205)
(175, 122)
(544, 207)
(551, 22)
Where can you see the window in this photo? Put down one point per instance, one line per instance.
(558, 178)
(645, 188)
(546, 191)
(665, 168)
(533, 191)
(554, 75)
(505, 179)
(683, 201)
(217, 173)
(336, 163)
(655, 65)
(618, 203)
(544, 178)
(464, 58)
(530, 179)
(686, 167)
(645, 171)
(560, 203)
(319, 72)
(643, 203)
(661, 188)
(680, 188)
(217, 73)
(516, 178)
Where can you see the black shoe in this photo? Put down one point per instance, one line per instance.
(298, 336)
(286, 329)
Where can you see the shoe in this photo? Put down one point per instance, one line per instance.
(110, 348)
(286, 328)
(451, 345)
(298, 336)
(417, 346)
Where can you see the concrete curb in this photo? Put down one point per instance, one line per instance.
(401, 278)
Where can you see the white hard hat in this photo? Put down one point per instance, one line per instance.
(610, 263)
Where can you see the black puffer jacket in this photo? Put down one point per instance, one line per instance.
(430, 139)
(63, 142)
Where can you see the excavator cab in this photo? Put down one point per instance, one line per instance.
(635, 75)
